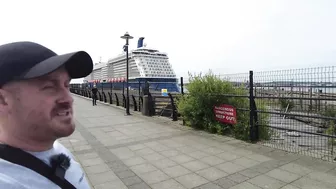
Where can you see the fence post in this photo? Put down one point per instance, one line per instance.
(100, 97)
(117, 100)
(174, 115)
(139, 95)
(110, 97)
(182, 90)
(124, 101)
(111, 85)
(145, 109)
(134, 104)
(252, 108)
(104, 96)
(123, 93)
(151, 104)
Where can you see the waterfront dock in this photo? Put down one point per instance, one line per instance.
(138, 152)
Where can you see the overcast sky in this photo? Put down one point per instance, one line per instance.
(227, 36)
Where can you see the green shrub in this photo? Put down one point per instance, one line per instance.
(330, 111)
(286, 102)
(207, 91)
(331, 131)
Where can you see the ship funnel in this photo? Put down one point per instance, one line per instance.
(140, 42)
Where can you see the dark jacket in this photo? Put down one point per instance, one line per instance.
(94, 91)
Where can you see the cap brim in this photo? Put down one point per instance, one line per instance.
(78, 64)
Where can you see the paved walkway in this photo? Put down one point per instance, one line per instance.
(137, 152)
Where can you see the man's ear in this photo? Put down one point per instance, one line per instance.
(3, 100)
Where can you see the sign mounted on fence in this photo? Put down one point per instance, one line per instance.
(164, 92)
(225, 114)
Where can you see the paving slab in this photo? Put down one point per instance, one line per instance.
(212, 173)
(264, 181)
(209, 186)
(191, 180)
(168, 184)
(138, 152)
(225, 183)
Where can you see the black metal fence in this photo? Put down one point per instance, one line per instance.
(296, 108)
(110, 94)
(301, 105)
(114, 94)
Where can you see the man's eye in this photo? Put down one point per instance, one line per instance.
(48, 87)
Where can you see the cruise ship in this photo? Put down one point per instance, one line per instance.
(145, 65)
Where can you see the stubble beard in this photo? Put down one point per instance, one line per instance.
(64, 129)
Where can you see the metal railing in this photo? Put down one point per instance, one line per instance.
(296, 109)
(117, 98)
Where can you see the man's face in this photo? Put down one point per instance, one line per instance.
(42, 107)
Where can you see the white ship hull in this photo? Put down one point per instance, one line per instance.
(145, 64)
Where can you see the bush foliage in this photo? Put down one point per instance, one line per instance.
(330, 111)
(207, 91)
(286, 104)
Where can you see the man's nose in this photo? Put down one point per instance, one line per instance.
(66, 97)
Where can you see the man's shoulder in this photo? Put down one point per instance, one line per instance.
(29, 179)
(9, 175)
(60, 148)
(76, 174)
(9, 182)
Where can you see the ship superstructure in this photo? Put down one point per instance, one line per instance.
(145, 64)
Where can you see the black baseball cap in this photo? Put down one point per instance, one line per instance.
(27, 60)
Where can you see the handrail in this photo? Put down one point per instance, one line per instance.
(156, 100)
(173, 107)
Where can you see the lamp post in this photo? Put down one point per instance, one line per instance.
(126, 36)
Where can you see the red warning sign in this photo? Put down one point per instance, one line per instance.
(225, 114)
